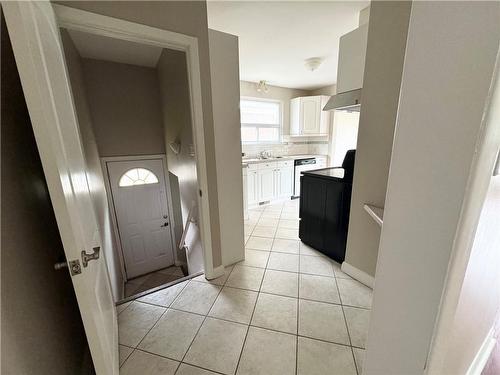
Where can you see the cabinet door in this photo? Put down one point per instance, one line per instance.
(266, 184)
(285, 182)
(310, 116)
(252, 187)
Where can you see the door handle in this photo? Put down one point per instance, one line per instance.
(164, 225)
(88, 257)
(60, 266)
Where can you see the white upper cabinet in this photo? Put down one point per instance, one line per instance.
(352, 53)
(307, 117)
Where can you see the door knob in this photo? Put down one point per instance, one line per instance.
(60, 265)
(164, 225)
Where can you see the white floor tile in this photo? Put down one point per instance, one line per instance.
(136, 321)
(283, 262)
(315, 265)
(196, 297)
(353, 293)
(271, 214)
(255, 258)
(259, 243)
(185, 369)
(268, 353)
(276, 312)
(291, 234)
(286, 246)
(122, 307)
(261, 231)
(217, 346)
(165, 296)
(320, 358)
(322, 321)
(144, 363)
(291, 209)
(246, 278)
(308, 250)
(358, 322)
(289, 216)
(124, 352)
(359, 356)
(318, 288)
(247, 229)
(172, 335)
(234, 304)
(273, 208)
(268, 222)
(280, 282)
(288, 224)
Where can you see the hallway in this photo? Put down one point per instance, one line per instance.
(286, 309)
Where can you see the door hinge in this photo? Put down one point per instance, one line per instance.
(200, 192)
(74, 267)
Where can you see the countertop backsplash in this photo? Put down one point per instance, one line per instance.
(315, 148)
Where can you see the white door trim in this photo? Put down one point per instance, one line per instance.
(111, 203)
(93, 23)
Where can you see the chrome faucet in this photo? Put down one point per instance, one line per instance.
(265, 154)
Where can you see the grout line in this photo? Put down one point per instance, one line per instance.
(346, 325)
(203, 322)
(298, 311)
(251, 316)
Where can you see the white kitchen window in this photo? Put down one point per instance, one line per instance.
(261, 121)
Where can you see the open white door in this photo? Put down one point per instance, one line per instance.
(38, 51)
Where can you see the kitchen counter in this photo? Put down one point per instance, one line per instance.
(246, 161)
(326, 173)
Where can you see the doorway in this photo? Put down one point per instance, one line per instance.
(139, 196)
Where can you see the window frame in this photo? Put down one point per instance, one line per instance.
(279, 126)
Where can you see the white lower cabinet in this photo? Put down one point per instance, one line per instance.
(284, 182)
(252, 187)
(269, 181)
(266, 184)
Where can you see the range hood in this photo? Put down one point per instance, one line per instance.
(346, 101)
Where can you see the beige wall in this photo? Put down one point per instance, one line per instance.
(190, 18)
(124, 101)
(94, 170)
(176, 110)
(435, 144)
(382, 80)
(224, 66)
(42, 330)
(327, 90)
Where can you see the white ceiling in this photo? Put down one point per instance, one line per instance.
(276, 37)
(99, 47)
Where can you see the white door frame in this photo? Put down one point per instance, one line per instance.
(80, 20)
(112, 208)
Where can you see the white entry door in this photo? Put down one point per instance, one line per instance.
(140, 199)
(40, 60)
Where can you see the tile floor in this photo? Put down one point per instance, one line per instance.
(286, 309)
(152, 280)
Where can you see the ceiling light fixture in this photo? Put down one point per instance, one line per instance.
(262, 86)
(313, 63)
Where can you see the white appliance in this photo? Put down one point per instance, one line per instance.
(302, 165)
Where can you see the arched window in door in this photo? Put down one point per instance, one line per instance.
(137, 176)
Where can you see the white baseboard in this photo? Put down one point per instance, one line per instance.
(217, 272)
(357, 274)
(483, 354)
